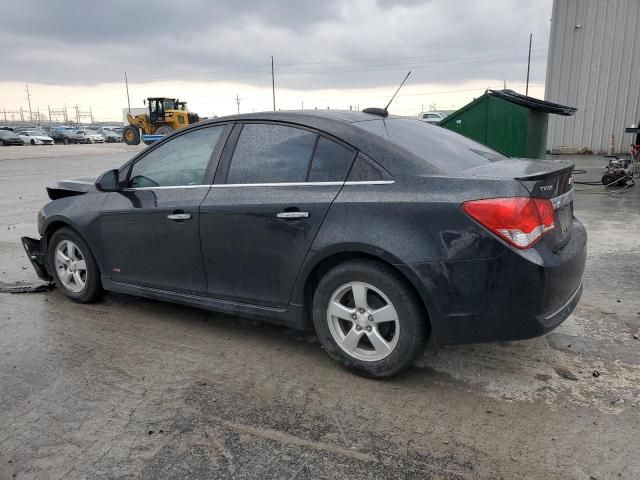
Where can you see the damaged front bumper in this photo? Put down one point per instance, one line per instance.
(37, 256)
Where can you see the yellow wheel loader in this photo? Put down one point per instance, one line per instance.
(165, 115)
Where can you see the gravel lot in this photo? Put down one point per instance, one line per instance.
(131, 388)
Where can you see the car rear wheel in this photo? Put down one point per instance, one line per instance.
(73, 267)
(368, 318)
(33, 142)
(65, 141)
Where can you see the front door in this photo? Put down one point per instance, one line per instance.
(258, 225)
(150, 229)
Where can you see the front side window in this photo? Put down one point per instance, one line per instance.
(180, 161)
(268, 153)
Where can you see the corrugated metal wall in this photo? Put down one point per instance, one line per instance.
(594, 65)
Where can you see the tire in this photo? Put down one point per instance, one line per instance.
(87, 291)
(404, 337)
(164, 130)
(65, 141)
(33, 142)
(131, 135)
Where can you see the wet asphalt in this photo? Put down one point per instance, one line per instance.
(132, 388)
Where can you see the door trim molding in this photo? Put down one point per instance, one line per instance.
(281, 184)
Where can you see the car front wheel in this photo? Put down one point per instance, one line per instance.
(73, 267)
(368, 318)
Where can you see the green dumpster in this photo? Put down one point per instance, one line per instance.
(504, 120)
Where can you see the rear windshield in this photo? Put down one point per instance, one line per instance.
(436, 146)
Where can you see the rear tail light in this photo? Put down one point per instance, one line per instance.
(520, 221)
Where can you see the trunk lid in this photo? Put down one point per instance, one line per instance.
(552, 179)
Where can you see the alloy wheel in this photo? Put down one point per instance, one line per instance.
(363, 321)
(71, 266)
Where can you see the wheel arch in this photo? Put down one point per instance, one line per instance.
(56, 224)
(303, 293)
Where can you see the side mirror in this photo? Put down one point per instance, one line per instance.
(108, 181)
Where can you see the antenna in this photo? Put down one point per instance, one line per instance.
(394, 95)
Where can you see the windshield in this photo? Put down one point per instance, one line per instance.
(435, 145)
(37, 132)
(91, 132)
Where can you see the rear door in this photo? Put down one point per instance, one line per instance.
(271, 193)
(150, 230)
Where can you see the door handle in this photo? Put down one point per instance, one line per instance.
(292, 215)
(179, 216)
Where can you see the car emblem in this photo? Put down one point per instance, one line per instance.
(546, 188)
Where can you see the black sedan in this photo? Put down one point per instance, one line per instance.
(10, 138)
(378, 231)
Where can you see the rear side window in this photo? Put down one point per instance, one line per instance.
(435, 146)
(366, 170)
(331, 162)
(268, 153)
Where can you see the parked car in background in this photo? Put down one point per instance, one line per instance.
(10, 129)
(110, 135)
(91, 136)
(7, 137)
(379, 231)
(66, 135)
(35, 137)
(431, 117)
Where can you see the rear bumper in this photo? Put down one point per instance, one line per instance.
(35, 252)
(514, 296)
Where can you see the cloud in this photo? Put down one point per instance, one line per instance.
(316, 44)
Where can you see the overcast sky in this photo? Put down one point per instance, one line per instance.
(327, 53)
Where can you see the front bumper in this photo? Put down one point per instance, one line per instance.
(37, 256)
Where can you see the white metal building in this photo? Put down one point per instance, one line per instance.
(594, 65)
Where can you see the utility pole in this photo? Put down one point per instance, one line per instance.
(91, 115)
(49, 108)
(238, 102)
(273, 85)
(21, 115)
(4, 110)
(29, 100)
(504, 84)
(77, 115)
(126, 84)
(528, 64)
(302, 105)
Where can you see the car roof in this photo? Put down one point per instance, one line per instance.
(343, 125)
